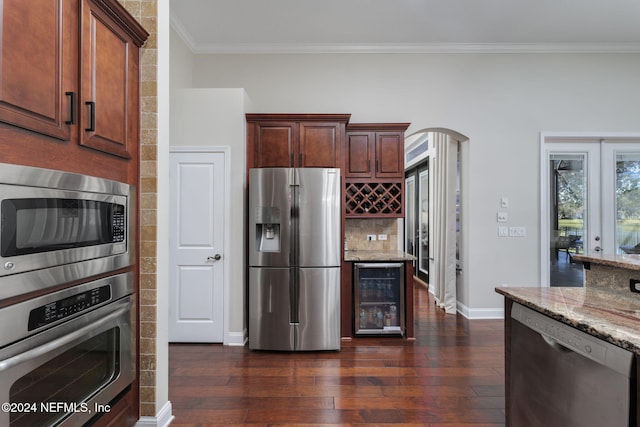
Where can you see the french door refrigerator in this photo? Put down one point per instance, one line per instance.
(294, 259)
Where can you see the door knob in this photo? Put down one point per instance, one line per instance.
(216, 257)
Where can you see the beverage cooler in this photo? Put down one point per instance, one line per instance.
(379, 298)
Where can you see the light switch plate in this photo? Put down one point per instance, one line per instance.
(382, 237)
(371, 237)
(502, 216)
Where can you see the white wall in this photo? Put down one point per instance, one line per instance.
(163, 406)
(181, 63)
(500, 101)
(209, 118)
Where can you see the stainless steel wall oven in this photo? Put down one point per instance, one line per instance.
(66, 355)
(57, 227)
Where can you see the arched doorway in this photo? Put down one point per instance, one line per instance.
(433, 224)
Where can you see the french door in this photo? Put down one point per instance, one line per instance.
(417, 217)
(590, 204)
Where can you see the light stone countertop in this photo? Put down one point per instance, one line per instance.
(351, 256)
(627, 261)
(611, 315)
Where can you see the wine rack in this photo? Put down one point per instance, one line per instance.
(364, 199)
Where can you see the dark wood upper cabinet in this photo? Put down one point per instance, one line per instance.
(375, 150)
(70, 71)
(273, 145)
(359, 154)
(39, 66)
(295, 140)
(320, 145)
(374, 170)
(389, 154)
(110, 78)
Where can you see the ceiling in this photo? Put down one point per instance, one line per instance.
(318, 26)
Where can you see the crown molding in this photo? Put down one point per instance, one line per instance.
(400, 48)
(413, 48)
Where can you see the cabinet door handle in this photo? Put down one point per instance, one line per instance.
(72, 108)
(92, 117)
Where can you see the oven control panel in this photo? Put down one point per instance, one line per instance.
(66, 307)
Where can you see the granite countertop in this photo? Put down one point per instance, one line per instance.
(377, 256)
(610, 315)
(628, 261)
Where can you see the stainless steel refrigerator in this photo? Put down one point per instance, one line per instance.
(294, 259)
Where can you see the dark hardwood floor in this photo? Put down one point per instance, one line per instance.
(452, 375)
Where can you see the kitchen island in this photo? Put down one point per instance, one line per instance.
(605, 309)
(613, 272)
(605, 314)
(352, 257)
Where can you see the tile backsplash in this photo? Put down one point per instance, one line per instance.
(356, 231)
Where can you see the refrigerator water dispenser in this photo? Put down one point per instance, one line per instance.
(269, 235)
(268, 229)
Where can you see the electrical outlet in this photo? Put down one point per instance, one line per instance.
(371, 237)
(635, 285)
(517, 231)
(382, 237)
(502, 217)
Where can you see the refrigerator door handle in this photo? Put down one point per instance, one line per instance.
(294, 287)
(295, 225)
(294, 297)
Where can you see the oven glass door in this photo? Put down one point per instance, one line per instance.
(59, 385)
(71, 377)
(35, 225)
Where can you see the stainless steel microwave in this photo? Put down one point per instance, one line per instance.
(57, 227)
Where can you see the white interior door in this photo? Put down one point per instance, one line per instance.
(590, 204)
(196, 243)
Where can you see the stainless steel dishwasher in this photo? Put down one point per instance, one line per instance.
(562, 377)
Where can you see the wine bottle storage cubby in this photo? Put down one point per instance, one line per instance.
(374, 198)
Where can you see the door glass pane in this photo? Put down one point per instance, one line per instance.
(627, 203)
(568, 217)
(424, 223)
(410, 211)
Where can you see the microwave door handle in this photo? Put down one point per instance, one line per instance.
(62, 341)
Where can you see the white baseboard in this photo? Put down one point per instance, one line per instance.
(480, 313)
(163, 418)
(236, 338)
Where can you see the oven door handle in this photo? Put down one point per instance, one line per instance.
(64, 340)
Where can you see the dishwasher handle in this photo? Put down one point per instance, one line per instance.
(555, 344)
